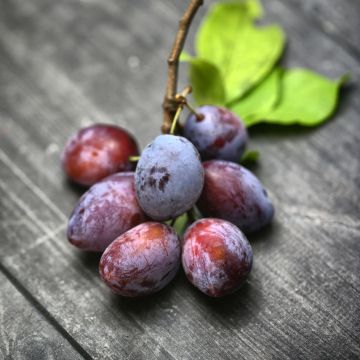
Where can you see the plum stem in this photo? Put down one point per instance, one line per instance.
(176, 118)
(134, 158)
(181, 102)
(199, 117)
(170, 104)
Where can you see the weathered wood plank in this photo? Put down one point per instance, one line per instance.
(302, 295)
(58, 276)
(339, 19)
(24, 332)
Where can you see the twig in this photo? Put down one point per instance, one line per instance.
(170, 104)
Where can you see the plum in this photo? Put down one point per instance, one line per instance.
(220, 134)
(97, 151)
(169, 177)
(105, 211)
(233, 193)
(216, 256)
(141, 261)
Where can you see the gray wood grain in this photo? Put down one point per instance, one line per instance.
(70, 63)
(24, 332)
(339, 19)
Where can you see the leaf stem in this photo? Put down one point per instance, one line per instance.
(170, 104)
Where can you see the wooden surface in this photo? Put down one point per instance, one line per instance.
(66, 64)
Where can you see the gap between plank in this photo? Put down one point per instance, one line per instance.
(42, 310)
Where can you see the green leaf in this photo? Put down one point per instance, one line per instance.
(244, 53)
(307, 98)
(184, 56)
(260, 99)
(252, 7)
(181, 223)
(206, 81)
(250, 156)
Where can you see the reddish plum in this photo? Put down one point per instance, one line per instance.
(105, 211)
(97, 151)
(219, 135)
(141, 261)
(233, 193)
(216, 257)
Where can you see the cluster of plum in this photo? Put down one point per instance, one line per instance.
(126, 214)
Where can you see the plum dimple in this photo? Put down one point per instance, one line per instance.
(105, 211)
(219, 135)
(233, 193)
(97, 151)
(216, 256)
(141, 261)
(169, 177)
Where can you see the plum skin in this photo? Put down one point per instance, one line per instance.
(97, 151)
(105, 211)
(233, 193)
(141, 261)
(216, 256)
(169, 177)
(219, 135)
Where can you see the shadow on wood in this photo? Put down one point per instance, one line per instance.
(90, 260)
(74, 187)
(143, 305)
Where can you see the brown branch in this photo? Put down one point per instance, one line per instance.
(170, 104)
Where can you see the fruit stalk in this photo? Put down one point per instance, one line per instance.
(170, 104)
